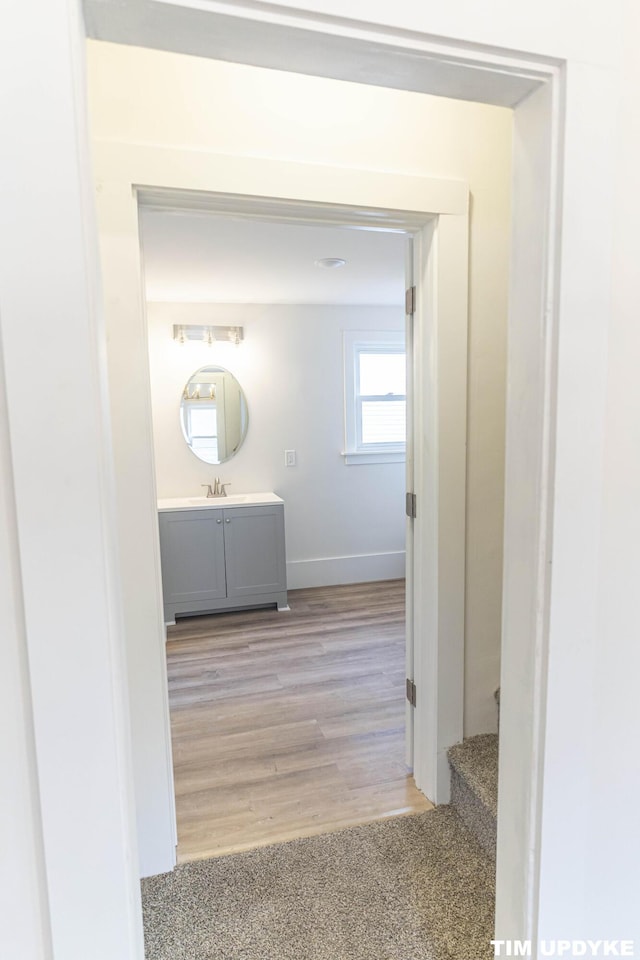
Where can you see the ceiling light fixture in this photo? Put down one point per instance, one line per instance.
(330, 262)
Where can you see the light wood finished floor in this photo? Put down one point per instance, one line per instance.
(289, 724)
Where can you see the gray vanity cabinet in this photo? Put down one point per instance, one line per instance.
(192, 550)
(254, 551)
(222, 558)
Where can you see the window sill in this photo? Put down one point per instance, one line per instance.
(361, 457)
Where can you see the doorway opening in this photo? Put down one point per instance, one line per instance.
(294, 723)
(436, 213)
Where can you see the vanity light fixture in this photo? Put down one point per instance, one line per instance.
(207, 334)
(194, 392)
(330, 263)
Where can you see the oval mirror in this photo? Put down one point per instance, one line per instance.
(213, 414)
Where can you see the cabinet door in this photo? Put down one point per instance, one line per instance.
(254, 548)
(192, 550)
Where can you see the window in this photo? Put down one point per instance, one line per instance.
(375, 397)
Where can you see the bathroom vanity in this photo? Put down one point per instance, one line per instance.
(222, 553)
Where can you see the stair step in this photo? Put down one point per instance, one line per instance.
(474, 786)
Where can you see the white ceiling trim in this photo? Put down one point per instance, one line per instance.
(279, 210)
(397, 59)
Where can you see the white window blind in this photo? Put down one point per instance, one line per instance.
(375, 396)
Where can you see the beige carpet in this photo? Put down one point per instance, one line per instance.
(411, 888)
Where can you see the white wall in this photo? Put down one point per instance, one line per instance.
(593, 710)
(612, 875)
(26, 929)
(604, 885)
(68, 878)
(139, 96)
(344, 524)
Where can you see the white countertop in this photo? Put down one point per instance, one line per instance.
(217, 503)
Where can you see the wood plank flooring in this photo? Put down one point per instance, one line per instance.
(289, 724)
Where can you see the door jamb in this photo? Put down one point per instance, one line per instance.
(439, 336)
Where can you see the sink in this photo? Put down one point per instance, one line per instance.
(217, 501)
(213, 503)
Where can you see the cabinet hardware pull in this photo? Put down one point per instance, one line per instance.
(218, 521)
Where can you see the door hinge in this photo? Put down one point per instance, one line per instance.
(411, 506)
(411, 692)
(410, 300)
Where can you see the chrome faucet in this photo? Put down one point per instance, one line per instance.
(218, 489)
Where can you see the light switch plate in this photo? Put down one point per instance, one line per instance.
(289, 458)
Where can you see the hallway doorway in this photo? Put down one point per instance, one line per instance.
(304, 334)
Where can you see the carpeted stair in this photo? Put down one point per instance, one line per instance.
(474, 786)
(474, 791)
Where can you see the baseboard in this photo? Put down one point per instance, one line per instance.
(327, 571)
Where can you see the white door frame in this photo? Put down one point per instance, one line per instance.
(438, 350)
(440, 478)
(435, 212)
(120, 168)
(410, 479)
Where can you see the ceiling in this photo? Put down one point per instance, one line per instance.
(201, 257)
